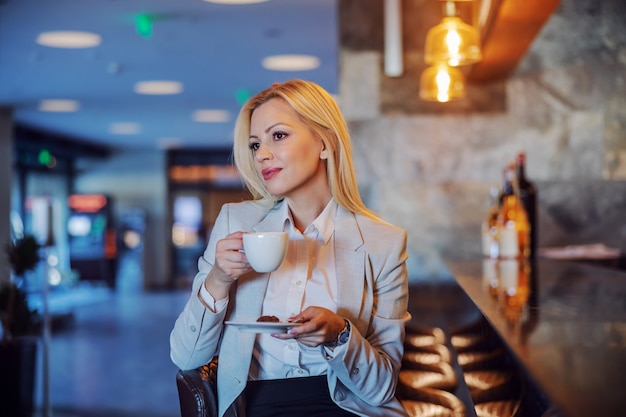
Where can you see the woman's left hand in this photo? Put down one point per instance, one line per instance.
(319, 325)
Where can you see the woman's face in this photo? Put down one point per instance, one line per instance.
(287, 155)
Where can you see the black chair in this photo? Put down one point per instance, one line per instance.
(197, 392)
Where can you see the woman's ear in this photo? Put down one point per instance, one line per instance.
(324, 152)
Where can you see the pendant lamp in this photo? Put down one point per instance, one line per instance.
(452, 41)
(442, 83)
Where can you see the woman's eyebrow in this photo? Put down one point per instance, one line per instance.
(273, 126)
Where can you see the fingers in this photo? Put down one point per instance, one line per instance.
(319, 325)
(310, 339)
(229, 256)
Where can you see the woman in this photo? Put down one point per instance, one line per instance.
(344, 276)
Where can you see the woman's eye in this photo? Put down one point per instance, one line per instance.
(254, 146)
(279, 135)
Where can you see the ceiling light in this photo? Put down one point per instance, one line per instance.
(158, 87)
(59, 106)
(124, 128)
(69, 39)
(235, 1)
(290, 62)
(442, 83)
(452, 41)
(211, 116)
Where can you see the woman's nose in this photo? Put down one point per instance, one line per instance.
(263, 153)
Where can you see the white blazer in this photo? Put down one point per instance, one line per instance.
(370, 258)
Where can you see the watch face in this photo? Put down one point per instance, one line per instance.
(343, 337)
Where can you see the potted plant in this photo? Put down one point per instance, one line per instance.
(20, 324)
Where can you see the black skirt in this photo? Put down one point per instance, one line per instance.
(302, 397)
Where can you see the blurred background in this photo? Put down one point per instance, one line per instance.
(115, 148)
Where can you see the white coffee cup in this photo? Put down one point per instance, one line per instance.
(265, 250)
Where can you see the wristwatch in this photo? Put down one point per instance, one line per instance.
(342, 337)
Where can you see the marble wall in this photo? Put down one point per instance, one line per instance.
(429, 169)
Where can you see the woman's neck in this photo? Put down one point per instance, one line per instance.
(305, 211)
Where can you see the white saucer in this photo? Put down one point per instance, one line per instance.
(263, 326)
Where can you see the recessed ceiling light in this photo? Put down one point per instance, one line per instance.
(158, 87)
(235, 1)
(290, 62)
(124, 128)
(69, 39)
(59, 106)
(211, 116)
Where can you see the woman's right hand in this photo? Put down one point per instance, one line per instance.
(230, 264)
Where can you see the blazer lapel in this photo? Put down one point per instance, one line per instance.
(273, 222)
(350, 265)
(252, 285)
(235, 362)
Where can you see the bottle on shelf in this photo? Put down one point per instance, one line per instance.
(513, 244)
(528, 195)
(507, 183)
(489, 226)
(489, 241)
(512, 222)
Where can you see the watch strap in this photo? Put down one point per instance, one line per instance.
(342, 337)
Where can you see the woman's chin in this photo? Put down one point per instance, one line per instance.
(275, 191)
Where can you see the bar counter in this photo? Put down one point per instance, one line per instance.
(570, 338)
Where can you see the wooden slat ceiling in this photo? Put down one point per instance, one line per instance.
(511, 28)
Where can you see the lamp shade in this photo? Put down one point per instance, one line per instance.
(454, 42)
(442, 83)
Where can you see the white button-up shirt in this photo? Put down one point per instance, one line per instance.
(306, 278)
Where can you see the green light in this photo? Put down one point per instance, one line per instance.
(242, 95)
(143, 25)
(45, 157)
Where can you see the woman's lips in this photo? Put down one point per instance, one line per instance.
(269, 173)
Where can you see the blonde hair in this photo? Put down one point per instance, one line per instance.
(319, 112)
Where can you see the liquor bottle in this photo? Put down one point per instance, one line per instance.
(489, 226)
(512, 221)
(489, 239)
(507, 185)
(528, 195)
(514, 245)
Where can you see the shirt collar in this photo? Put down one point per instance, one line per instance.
(324, 223)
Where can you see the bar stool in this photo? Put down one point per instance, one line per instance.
(421, 337)
(427, 354)
(429, 402)
(420, 375)
(476, 335)
(497, 397)
(482, 359)
(491, 385)
(504, 408)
